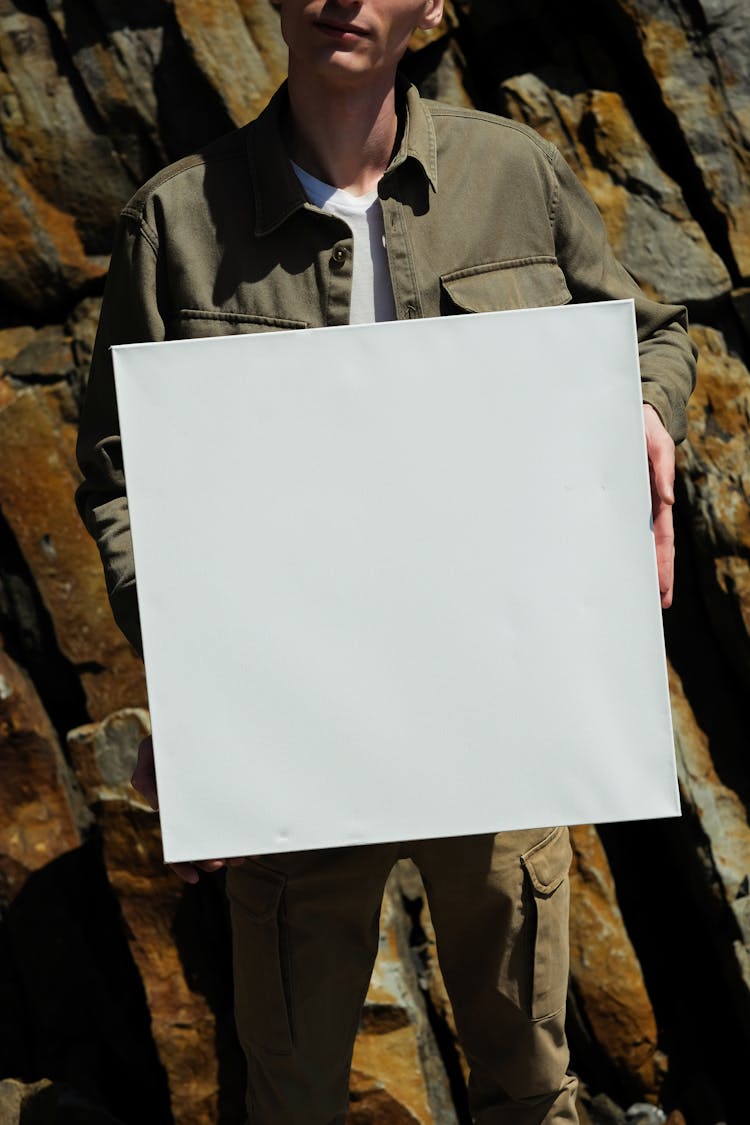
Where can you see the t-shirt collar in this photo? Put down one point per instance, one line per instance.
(278, 192)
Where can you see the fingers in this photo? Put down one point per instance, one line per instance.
(144, 781)
(190, 872)
(661, 466)
(663, 472)
(144, 774)
(664, 541)
(661, 460)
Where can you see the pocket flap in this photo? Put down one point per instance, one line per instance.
(193, 324)
(256, 889)
(521, 284)
(548, 862)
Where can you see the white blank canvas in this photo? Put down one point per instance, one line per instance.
(397, 581)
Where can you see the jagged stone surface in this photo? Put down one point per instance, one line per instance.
(104, 754)
(61, 182)
(424, 945)
(606, 976)
(38, 477)
(714, 465)
(188, 998)
(397, 1070)
(647, 220)
(221, 42)
(115, 54)
(47, 1103)
(723, 846)
(699, 56)
(183, 1025)
(39, 819)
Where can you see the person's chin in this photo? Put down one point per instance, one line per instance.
(343, 64)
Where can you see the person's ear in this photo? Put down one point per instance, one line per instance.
(432, 15)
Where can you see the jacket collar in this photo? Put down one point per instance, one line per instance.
(278, 192)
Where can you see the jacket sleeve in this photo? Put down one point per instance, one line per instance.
(130, 314)
(593, 274)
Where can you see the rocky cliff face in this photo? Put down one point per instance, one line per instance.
(115, 989)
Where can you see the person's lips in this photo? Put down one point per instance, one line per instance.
(340, 30)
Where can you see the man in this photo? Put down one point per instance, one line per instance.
(351, 199)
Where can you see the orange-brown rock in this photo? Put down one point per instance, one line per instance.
(371, 1104)
(61, 181)
(711, 656)
(397, 1075)
(48, 354)
(45, 1102)
(606, 975)
(723, 820)
(104, 754)
(117, 64)
(412, 889)
(706, 90)
(16, 1097)
(183, 1025)
(12, 341)
(714, 464)
(647, 220)
(263, 24)
(37, 813)
(41, 254)
(436, 66)
(223, 46)
(38, 477)
(81, 327)
(166, 925)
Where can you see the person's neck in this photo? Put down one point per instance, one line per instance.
(343, 135)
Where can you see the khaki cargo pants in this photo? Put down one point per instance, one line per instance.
(305, 932)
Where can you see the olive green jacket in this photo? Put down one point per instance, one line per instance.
(480, 213)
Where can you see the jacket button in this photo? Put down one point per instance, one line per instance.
(339, 256)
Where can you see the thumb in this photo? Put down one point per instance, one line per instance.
(144, 774)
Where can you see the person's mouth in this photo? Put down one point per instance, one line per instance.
(338, 29)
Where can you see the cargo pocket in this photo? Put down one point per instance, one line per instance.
(521, 283)
(262, 977)
(546, 866)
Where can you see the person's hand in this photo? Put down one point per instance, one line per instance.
(144, 781)
(660, 450)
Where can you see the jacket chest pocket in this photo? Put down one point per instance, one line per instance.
(523, 283)
(194, 324)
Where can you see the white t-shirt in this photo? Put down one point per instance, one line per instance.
(372, 293)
